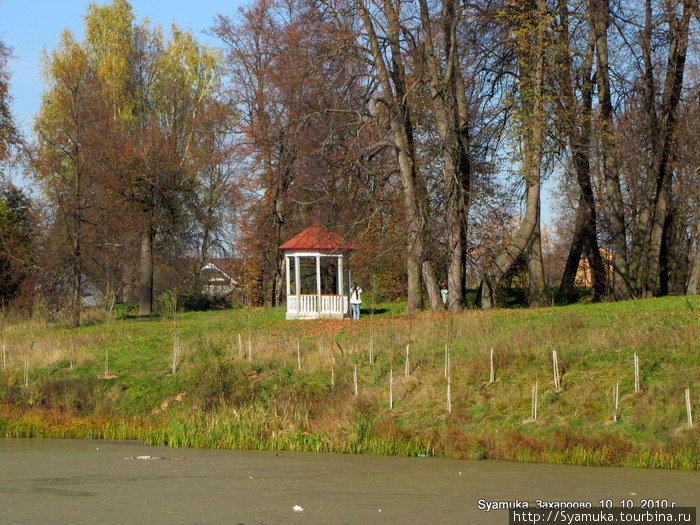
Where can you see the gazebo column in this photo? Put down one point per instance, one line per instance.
(318, 284)
(340, 276)
(297, 284)
(348, 284)
(289, 277)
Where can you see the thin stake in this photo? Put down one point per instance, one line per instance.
(26, 371)
(615, 401)
(72, 354)
(391, 388)
(492, 374)
(240, 346)
(555, 370)
(534, 401)
(106, 362)
(333, 371)
(688, 411)
(406, 365)
(298, 355)
(636, 374)
(176, 354)
(447, 352)
(354, 379)
(250, 348)
(449, 397)
(371, 349)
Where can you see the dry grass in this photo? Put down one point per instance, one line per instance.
(269, 397)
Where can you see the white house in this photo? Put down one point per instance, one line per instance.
(216, 282)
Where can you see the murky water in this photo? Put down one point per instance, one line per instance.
(66, 481)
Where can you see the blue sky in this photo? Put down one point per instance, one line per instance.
(29, 26)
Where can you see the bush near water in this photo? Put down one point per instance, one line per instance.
(220, 397)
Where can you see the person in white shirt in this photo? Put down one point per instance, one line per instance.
(355, 300)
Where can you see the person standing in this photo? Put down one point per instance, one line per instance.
(443, 292)
(355, 300)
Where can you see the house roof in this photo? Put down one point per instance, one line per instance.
(216, 276)
(317, 238)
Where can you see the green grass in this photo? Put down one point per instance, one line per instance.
(220, 400)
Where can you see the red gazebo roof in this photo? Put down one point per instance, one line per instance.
(317, 238)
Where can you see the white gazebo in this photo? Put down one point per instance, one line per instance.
(318, 274)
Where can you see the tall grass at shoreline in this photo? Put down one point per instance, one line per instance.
(228, 402)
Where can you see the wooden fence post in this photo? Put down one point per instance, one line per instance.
(333, 371)
(391, 388)
(176, 354)
(534, 401)
(406, 365)
(447, 357)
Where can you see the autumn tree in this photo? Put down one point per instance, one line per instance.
(297, 86)
(529, 22)
(156, 91)
(450, 107)
(8, 131)
(17, 233)
(386, 49)
(574, 117)
(65, 129)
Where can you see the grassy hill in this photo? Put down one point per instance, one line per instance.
(219, 396)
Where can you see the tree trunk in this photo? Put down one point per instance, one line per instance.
(280, 282)
(146, 272)
(664, 256)
(536, 269)
(694, 279)
(658, 227)
(77, 274)
(415, 282)
(599, 21)
(486, 296)
(573, 260)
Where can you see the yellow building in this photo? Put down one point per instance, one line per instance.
(584, 275)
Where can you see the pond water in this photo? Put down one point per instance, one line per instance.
(74, 481)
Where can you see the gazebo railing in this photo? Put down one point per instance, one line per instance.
(333, 304)
(307, 304)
